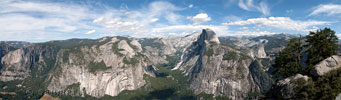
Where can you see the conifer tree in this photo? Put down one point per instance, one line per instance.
(321, 45)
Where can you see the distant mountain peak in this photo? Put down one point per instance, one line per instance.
(209, 35)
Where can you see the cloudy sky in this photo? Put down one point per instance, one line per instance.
(43, 20)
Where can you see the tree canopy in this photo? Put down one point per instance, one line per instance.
(318, 45)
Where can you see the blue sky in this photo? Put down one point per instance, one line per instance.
(44, 20)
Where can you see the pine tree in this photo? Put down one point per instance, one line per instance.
(288, 61)
(322, 44)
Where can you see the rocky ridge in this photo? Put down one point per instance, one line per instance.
(110, 65)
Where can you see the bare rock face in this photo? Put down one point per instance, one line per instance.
(4, 49)
(285, 89)
(110, 65)
(209, 35)
(258, 51)
(137, 45)
(125, 49)
(95, 67)
(118, 71)
(261, 78)
(18, 64)
(216, 69)
(329, 64)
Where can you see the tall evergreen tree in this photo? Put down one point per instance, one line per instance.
(288, 61)
(321, 45)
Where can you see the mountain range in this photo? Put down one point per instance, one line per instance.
(197, 66)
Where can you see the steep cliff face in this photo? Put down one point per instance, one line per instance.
(217, 69)
(261, 78)
(4, 49)
(100, 67)
(110, 65)
(18, 64)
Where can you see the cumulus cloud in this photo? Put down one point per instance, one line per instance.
(36, 21)
(42, 21)
(248, 5)
(199, 18)
(329, 9)
(281, 23)
(139, 22)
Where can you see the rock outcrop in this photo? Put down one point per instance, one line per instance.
(101, 69)
(217, 69)
(18, 64)
(96, 67)
(261, 78)
(285, 89)
(4, 49)
(258, 51)
(329, 64)
(110, 65)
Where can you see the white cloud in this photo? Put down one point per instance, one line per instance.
(281, 23)
(139, 22)
(49, 20)
(329, 9)
(91, 32)
(190, 6)
(188, 29)
(248, 5)
(98, 20)
(154, 20)
(42, 21)
(251, 33)
(199, 18)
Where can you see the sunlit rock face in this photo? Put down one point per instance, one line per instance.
(217, 69)
(326, 65)
(110, 65)
(100, 67)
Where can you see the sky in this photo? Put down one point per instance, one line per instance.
(45, 20)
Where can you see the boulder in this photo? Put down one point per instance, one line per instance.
(285, 89)
(326, 65)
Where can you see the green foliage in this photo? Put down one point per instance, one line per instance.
(243, 56)
(230, 55)
(116, 50)
(151, 42)
(252, 95)
(172, 60)
(209, 52)
(322, 44)
(34, 86)
(326, 87)
(168, 85)
(288, 61)
(95, 66)
(131, 61)
(11, 68)
(240, 71)
(266, 62)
